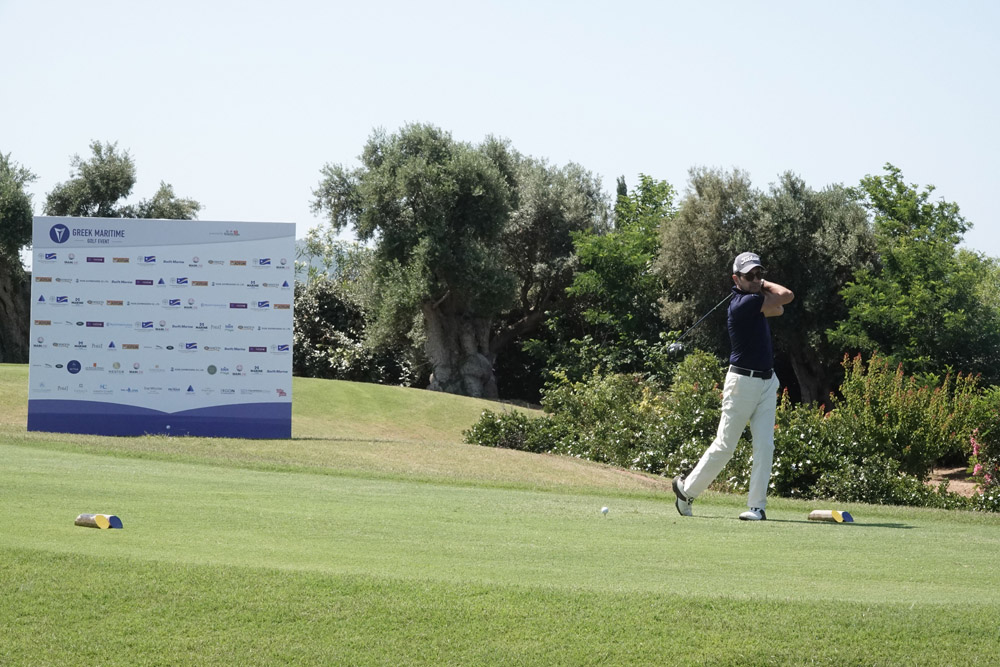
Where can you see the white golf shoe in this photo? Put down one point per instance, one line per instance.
(683, 503)
(753, 514)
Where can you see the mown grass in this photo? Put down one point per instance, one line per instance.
(302, 552)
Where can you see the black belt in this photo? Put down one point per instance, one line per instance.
(763, 375)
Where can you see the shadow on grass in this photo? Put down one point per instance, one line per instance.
(901, 526)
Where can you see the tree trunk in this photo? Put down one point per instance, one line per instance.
(15, 311)
(813, 378)
(458, 348)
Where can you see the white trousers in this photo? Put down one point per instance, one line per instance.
(744, 399)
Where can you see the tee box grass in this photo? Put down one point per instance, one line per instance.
(374, 536)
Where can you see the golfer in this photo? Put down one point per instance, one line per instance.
(751, 390)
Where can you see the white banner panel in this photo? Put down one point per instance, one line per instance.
(161, 326)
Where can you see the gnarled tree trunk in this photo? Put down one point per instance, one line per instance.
(15, 310)
(458, 348)
(814, 379)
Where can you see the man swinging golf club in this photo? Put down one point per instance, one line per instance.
(750, 393)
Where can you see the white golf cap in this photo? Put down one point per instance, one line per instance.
(746, 261)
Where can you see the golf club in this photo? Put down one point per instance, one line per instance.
(677, 346)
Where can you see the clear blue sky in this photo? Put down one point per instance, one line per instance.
(238, 104)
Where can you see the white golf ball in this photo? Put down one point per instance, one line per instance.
(604, 510)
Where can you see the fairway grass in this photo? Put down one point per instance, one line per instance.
(314, 551)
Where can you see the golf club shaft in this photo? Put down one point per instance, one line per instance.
(714, 308)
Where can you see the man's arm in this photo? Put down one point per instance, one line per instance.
(775, 298)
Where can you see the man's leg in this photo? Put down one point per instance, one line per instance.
(740, 397)
(762, 428)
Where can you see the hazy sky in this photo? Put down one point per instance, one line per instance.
(239, 104)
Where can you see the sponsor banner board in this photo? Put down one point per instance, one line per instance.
(171, 327)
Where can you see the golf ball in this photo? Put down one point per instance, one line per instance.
(604, 510)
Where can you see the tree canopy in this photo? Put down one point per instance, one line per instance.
(98, 185)
(15, 206)
(922, 304)
(610, 318)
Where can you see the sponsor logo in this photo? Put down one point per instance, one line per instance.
(120, 260)
(95, 260)
(59, 233)
(74, 366)
(282, 348)
(282, 306)
(258, 349)
(190, 346)
(282, 393)
(263, 261)
(237, 262)
(149, 259)
(142, 281)
(95, 324)
(180, 281)
(62, 299)
(43, 323)
(50, 256)
(262, 305)
(115, 302)
(199, 283)
(173, 302)
(238, 305)
(43, 279)
(129, 346)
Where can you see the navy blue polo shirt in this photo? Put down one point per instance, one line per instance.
(749, 332)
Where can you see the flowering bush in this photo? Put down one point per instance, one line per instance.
(900, 418)
(984, 460)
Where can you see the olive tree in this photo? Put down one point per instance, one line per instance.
(15, 234)
(471, 243)
(98, 185)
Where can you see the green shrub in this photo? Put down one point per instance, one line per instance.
(878, 480)
(808, 443)
(877, 445)
(510, 430)
(622, 420)
(609, 418)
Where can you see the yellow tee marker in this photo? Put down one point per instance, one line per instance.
(838, 516)
(102, 521)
